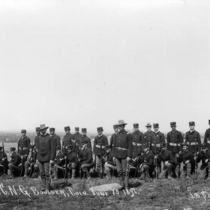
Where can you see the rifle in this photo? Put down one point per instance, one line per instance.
(102, 169)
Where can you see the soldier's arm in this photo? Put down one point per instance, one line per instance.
(206, 136)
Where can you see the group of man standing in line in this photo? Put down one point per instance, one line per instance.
(144, 155)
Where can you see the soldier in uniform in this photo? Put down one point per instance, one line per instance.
(55, 137)
(85, 137)
(157, 139)
(100, 142)
(115, 127)
(146, 163)
(193, 139)
(78, 136)
(204, 157)
(86, 158)
(207, 137)
(137, 141)
(46, 154)
(59, 162)
(3, 162)
(31, 161)
(148, 135)
(23, 149)
(122, 150)
(186, 157)
(67, 139)
(109, 165)
(13, 165)
(168, 162)
(37, 135)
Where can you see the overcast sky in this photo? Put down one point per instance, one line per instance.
(90, 63)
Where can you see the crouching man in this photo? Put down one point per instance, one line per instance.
(13, 165)
(86, 158)
(110, 165)
(72, 161)
(30, 163)
(147, 163)
(168, 162)
(204, 157)
(186, 157)
(58, 163)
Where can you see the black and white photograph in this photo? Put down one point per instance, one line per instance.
(104, 105)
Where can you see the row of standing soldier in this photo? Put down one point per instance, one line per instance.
(146, 154)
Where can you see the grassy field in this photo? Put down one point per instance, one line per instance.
(20, 194)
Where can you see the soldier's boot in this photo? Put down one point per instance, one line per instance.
(188, 176)
(142, 177)
(73, 173)
(43, 184)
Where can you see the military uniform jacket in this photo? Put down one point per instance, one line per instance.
(148, 137)
(157, 139)
(167, 156)
(15, 159)
(36, 140)
(174, 141)
(3, 156)
(78, 138)
(99, 144)
(46, 148)
(137, 141)
(193, 140)
(122, 145)
(59, 159)
(75, 146)
(23, 145)
(86, 156)
(203, 157)
(207, 138)
(147, 158)
(57, 140)
(88, 140)
(72, 158)
(67, 139)
(188, 155)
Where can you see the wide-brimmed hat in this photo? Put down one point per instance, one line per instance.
(43, 127)
(121, 122)
(148, 125)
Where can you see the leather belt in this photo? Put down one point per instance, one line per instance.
(174, 144)
(192, 143)
(120, 148)
(24, 148)
(99, 146)
(136, 144)
(157, 145)
(208, 141)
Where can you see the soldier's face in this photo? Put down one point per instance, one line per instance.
(100, 132)
(149, 128)
(173, 128)
(115, 130)
(156, 129)
(83, 133)
(121, 127)
(52, 132)
(192, 127)
(67, 131)
(44, 131)
(23, 134)
(136, 128)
